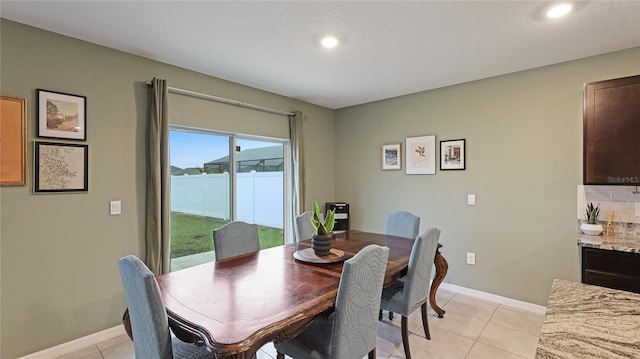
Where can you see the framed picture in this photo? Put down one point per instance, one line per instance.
(13, 141)
(452, 155)
(420, 155)
(62, 115)
(61, 167)
(391, 157)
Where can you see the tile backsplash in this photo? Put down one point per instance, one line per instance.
(619, 199)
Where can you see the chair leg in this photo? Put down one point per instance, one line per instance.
(372, 354)
(405, 337)
(279, 355)
(425, 322)
(380, 315)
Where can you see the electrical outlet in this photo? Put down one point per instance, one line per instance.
(471, 258)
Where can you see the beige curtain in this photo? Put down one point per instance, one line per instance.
(297, 167)
(158, 235)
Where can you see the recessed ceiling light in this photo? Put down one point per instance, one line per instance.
(329, 41)
(559, 10)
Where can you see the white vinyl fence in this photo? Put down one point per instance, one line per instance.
(259, 196)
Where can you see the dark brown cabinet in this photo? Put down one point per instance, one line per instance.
(611, 269)
(612, 132)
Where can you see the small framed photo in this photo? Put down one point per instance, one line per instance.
(62, 115)
(391, 157)
(420, 155)
(60, 167)
(452, 155)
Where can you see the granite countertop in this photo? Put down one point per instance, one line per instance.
(587, 321)
(615, 243)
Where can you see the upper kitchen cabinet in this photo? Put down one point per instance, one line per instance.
(612, 132)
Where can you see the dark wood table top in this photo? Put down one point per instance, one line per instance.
(235, 306)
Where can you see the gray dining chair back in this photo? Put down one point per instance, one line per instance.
(350, 331)
(234, 239)
(402, 224)
(149, 322)
(304, 227)
(404, 297)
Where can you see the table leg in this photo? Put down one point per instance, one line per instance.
(441, 271)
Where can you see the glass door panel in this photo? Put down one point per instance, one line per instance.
(260, 188)
(200, 194)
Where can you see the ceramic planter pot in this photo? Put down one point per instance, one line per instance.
(591, 229)
(321, 244)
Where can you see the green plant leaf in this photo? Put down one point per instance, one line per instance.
(320, 226)
(592, 213)
(330, 220)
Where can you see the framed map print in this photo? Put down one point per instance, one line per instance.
(60, 167)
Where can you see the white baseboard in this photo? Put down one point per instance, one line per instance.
(77, 344)
(513, 303)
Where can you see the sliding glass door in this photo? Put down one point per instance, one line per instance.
(217, 178)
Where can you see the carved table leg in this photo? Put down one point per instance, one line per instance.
(441, 271)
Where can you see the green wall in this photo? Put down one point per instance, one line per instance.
(523, 136)
(58, 273)
(59, 277)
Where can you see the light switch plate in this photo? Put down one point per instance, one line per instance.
(471, 199)
(115, 208)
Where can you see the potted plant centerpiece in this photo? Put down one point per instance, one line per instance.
(321, 241)
(592, 227)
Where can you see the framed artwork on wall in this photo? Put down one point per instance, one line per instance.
(62, 115)
(391, 157)
(13, 141)
(420, 155)
(452, 155)
(60, 167)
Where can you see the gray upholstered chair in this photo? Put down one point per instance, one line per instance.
(402, 224)
(350, 331)
(304, 227)
(234, 239)
(149, 322)
(404, 297)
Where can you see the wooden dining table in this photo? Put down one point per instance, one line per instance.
(235, 306)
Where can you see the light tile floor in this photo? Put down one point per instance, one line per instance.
(471, 329)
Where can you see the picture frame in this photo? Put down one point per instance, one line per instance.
(13, 141)
(452, 155)
(62, 115)
(420, 155)
(60, 167)
(391, 157)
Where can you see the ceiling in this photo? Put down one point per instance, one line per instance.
(392, 48)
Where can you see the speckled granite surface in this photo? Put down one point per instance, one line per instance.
(615, 243)
(586, 321)
(621, 229)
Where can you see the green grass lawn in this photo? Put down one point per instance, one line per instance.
(192, 234)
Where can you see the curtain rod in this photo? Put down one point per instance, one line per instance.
(225, 101)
